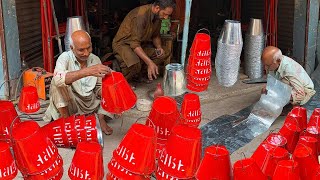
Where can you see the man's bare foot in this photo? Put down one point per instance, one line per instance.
(104, 126)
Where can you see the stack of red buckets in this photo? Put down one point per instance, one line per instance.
(199, 63)
(296, 137)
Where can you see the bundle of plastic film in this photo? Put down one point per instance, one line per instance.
(228, 63)
(252, 56)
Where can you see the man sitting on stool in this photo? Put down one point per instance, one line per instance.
(76, 85)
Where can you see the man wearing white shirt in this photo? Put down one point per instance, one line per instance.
(76, 85)
(290, 72)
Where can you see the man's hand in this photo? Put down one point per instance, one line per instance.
(159, 52)
(99, 70)
(152, 71)
(264, 90)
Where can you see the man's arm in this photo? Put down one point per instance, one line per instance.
(152, 67)
(98, 70)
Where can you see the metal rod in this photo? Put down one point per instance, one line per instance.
(4, 54)
(306, 35)
(56, 26)
(48, 36)
(186, 31)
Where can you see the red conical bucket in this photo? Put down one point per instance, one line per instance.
(262, 154)
(117, 172)
(137, 150)
(296, 120)
(31, 159)
(200, 81)
(8, 114)
(8, 168)
(196, 87)
(246, 169)
(181, 156)
(68, 132)
(29, 100)
(314, 131)
(87, 162)
(163, 116)
(301, 112)
(287, 170)
(310, 142)
(275, 155)
(277, 140)
(215, 164)
(307, 162)
(201, 45)
(191, 110)
(117, 95)
(291, 132)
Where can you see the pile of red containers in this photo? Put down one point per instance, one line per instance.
(199, 63)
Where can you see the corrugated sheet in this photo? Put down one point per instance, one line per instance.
(30, 35)
(285, 25)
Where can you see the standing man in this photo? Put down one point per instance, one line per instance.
(290, 72)
(141, 25)
(76, 85)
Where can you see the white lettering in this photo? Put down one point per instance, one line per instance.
(125, 153)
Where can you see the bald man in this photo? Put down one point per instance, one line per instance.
(290, 72)
(76, 84)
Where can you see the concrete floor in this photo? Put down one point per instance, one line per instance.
(216, 101)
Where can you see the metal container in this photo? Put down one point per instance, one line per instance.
(231, 33)
(228, 53)
(174, 82)
(253, 48)
(255, 27)
(74, 23)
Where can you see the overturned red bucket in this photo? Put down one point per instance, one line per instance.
(302, 113)
(310, 142)
(215, 164)
(8, 168)
(191, 110)
(8, 114)
(247, 169)
(31, 159)
(137, 150)
(291, 132)
(163, 116)
(29, 100)
(307, 162)
(87, 162)
(277, 140)
(182, 162)
(117, 95)
(287, 170)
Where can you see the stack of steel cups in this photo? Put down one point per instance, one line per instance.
(227, 60)
(253, 48)
(199, 63)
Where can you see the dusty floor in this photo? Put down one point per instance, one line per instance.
(215, 102)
